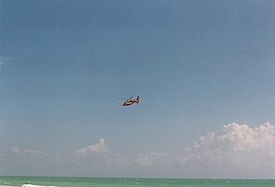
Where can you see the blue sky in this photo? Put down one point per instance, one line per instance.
(197, 66)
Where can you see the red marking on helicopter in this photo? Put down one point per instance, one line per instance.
(131, 101)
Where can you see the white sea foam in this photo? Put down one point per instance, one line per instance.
(32, 185)
(26, 185)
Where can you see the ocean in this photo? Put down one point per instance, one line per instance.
(8, 181)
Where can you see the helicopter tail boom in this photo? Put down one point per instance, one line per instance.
(137, 100)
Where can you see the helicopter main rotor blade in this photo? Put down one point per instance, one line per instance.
(121, 98)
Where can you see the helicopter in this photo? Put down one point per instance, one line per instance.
(131, 101)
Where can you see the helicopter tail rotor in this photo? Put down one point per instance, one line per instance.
(137, 100)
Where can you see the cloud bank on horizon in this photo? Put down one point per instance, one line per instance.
(238, 146)
(99, 148)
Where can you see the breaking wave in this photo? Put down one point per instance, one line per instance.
(26, 185)
(32, 185)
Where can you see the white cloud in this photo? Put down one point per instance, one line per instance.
(26, 152)
(99, 148)
(238, 151)
(238, 146)
(4, 60)
(15, 150)
(152, 158)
